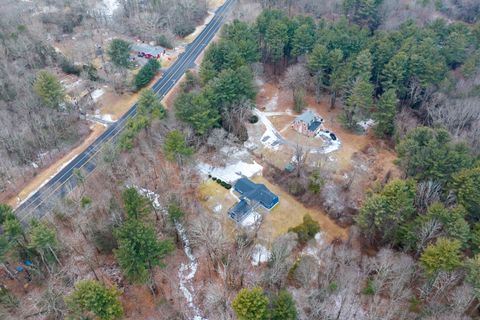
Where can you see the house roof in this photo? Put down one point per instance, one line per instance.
(307, 117)
(314, 125)
(143, 47)
(255, 192)
(240, 210)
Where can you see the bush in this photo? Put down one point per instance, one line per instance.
(224, 184)
(69, 68)
(184, 29)
(253, 119)
(104, 240)
(147, 73)
(164, 41)
(307, 230)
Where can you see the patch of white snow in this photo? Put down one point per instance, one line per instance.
(251, 219)
(366, 124)
(96, 94)
(260, 254)
(232, 172)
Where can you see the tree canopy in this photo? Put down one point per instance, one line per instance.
(119, 53)
(251, 304)
(49, 89)
(92, 297)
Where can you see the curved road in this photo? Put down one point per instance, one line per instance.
(64, 181)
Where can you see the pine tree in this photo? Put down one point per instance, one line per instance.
(303, 40)
(444, 255)
(136, 205)
(49, 89)
(139, 250)
(283, 307)
(175, 146)
(147, 73)
(119, 52)
(358, 102)
(385, 114)
(251, 304)
(149, 104)
(466, 185)
(92, 297)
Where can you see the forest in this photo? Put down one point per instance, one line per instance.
(125, 242)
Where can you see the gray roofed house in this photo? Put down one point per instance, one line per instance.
(251, 196)
(155, 51)
(307, 123)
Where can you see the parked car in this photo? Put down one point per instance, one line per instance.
(333, 136)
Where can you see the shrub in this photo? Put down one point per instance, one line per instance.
(251, 304)
(69, 68)
(307, 229)
(253, 119)
(164, 41)
(184, 29)
(147, 73)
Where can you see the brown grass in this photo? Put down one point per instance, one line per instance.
(289, 213)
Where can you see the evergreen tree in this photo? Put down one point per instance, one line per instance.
(244, 37)
(303, 40)
(385, 114)
(49, 89)
(251, 304)
(197, 110)
(358, 102)
(276, 39)
(43, 239)
(147, 73)
(394, 74)
(283, 307)
(307, 229)
(362, 65)
(149, 104)
(92, 297)
(466, 185)
(119, 53)
(429, 154)
(136, 205)
(382, 214)
(175, 146)
(444, 255)
(231, 86)
(139, 250)
(472, 266)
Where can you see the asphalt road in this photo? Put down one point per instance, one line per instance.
(39, 203)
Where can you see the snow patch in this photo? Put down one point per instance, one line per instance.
(108, 7)
(366, 124)
(260, 254)
(332, 145)
(272, 103)
(96, 94)
(251, 219)
(232, 172)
